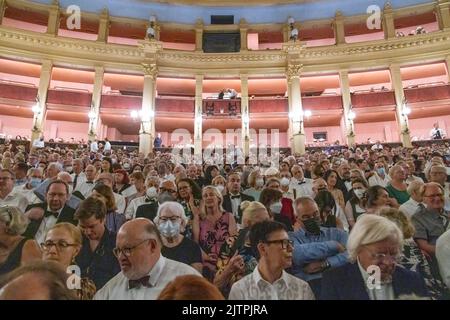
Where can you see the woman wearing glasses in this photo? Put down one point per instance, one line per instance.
(62, 244)
(15, 250)
(374, 247)
(171, 222)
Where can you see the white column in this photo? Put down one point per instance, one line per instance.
(402, 117)
(103, 26)
(442, 11)
(147, 132)
(243, 28)
(388, 22)
(39, 115)
(346, 103)
(296, 115)
(53, 18)
(338, 27)
(245, 116)
(199, 35)
(198, 122)
(2, 9)
(94, 114)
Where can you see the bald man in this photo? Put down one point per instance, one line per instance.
(144, 271)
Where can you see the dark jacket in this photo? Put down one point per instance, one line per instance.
(66, 215)
(147, 210)
(346, 283)
(228, 208)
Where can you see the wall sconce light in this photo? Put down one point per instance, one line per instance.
(36, 108)
(405, 109)
(246, 119)
(143, 116)
(351, 115)
(297, 117)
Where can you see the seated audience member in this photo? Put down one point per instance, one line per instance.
(414, 203)
(151, 195)
(62, 244)
(236, 257)
(144, 271)
(85, 188)
(411, 256)
(397, 186)
(287, 207)
(167, 192)
(356, 205)
(190, 287)
(171, 222)
(137, 179)
(54, 210)
(114, 220)
(331, 178)
(316, 248)
(269, 280)
(34, 178)
(9, 197)
(189, 196)
(443, 256)
(256, 183)
(211, 227)
(96, 258)
(40, 280)
(374, 241)
(232, 200)
(221, 184)
(271, 199)
(380, 176)
(15, 249)
(327, 210)
(122, 182)
(377, 198)
(108, 180)
(300, 186)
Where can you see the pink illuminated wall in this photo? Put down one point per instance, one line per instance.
(365, 37)
(179, 46)
(8, 22)
(77, 34)
(120, 40)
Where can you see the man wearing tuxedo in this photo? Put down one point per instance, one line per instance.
(233, 199)
(54, 210)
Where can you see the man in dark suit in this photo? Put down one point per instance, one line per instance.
(233, 199)
(54, 210)
(167, 192)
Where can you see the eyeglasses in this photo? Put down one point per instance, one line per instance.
(167, 190)
(127, 251)
(380, 257)
(47, 245)
(284, 243)
(172, 218)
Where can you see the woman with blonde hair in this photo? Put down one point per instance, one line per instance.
(236, 257)
(220, 183)
(412, 257)
(211, 226)
(256, 182)
(62, 244)
(15, 250)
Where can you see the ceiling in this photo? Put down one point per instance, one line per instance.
(254, 11)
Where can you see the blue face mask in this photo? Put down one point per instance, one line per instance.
(34, 182)
(381, 171)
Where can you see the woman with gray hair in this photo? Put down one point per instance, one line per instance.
(171, 222)
(15, 250)
(374, 246)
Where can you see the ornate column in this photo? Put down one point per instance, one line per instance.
(103, 26)
(151, 47)
(296, 115)
(245, 116)
(94, 113)
(348, 115)
(2, 9)
(199, 35)
(442, 11)
(338, 27)
(243, 28)
(388, 21)
(401, 107)
(198, 122)
(40, 109)
(447, 64)
(53, 18)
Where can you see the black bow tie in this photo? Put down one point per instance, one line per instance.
(90, 182)
(236, 197)
(50, 213)
(144, 281)
(301, 182)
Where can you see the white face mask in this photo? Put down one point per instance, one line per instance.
(284, 182)
(276, 207)
(259, 182)
(359, 193)
(221, 187)
(151, 193)
(69, 169)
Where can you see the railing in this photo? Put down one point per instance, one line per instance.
(222, 107)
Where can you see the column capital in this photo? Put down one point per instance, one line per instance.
(388, 10)
(46, 65)
(338, 17)
(150, 69)
(104, 15)
(293, 71)
(199, 24)
(243, 24)
(199, 77)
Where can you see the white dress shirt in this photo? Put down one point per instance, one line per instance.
(15, 199)
(27, 193)
(384, 291)
(46, 224)
(94, 146)
(85, 188)
(434, 131)
(409, 207)
(301, 189)
(81, 178)
(120, 202)
(254, 287)
(376, 180)
(107, 146)
(164, 271)
(443, 256)
(235, 203)
(130, 212)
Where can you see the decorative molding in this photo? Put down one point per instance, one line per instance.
(294, 70)
(150, 69)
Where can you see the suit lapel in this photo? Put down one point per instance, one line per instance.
(357, 287)
(32, 228)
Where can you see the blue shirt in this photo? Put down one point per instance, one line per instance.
(309, 247)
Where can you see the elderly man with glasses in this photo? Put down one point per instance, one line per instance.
(144, 271)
